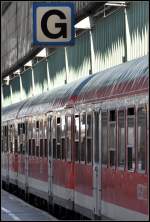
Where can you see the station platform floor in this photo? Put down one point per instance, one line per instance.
(15, 209)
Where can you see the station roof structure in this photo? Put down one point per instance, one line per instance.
(83, 9)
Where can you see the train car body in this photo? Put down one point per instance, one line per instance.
(84, 146)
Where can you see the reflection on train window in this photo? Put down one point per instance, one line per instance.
(41, 147)
(63, 123)
(141, 124)
(131, 139)
(54, 127)
(33, 147)
(77, 125)
(45, 145)
(29, 147)
(89, 128)
(68, 137)
(37, 151)
(104, 137)
(112, 138)
(121, 138)
(83, 138)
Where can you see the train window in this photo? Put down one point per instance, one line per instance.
(50, 153)
(96, 136)
(58, 120)
(131, 139)
(29, 147)
(104, 137)
(6, 130)
(18, 128)
(89, 128)
(2, 145)
(16, 145)
(141, 125)
(41, 124)
(58, 130)
(112, 138)
(63, 148)
(58, 151)
(130, 111)
(83, 136)
(63, 126)
(41, 147)
(45, 145)
(77, 127)
(21, 148)
(54, 148)
(37, 151)
(37, 124)
(11, 147)
(112, 115)
(54, 127)
(68, 134)
(121, 138)
(23, 128)
(33, 147)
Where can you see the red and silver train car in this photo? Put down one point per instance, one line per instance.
(84, 146)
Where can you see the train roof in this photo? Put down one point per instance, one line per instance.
(124, 79)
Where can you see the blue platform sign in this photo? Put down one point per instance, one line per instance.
(53, 24)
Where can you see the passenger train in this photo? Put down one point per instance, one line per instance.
(84, 146)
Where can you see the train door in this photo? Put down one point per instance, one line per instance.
(97, 163)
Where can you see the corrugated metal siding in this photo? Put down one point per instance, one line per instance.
(16, 93)
(138, 21)
(79, 58)
(108, 40)
(57, 68)
(6, 95)
(27, 89)
(40, 77)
